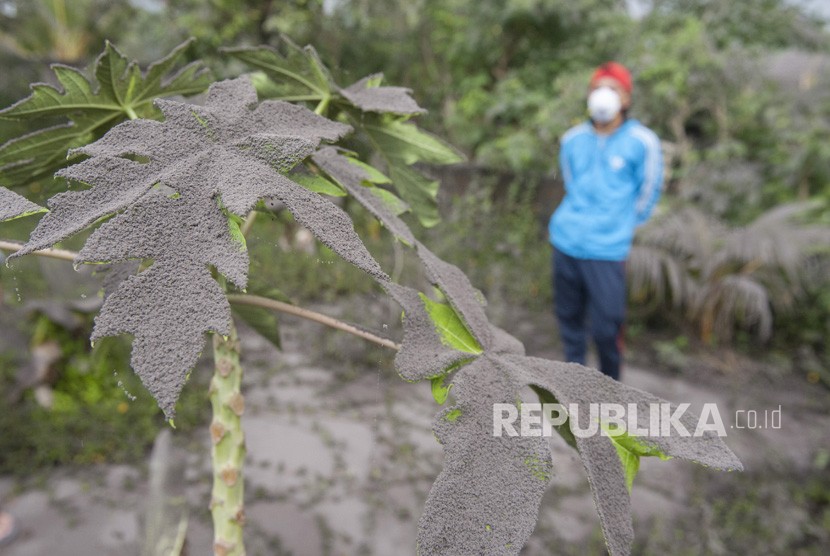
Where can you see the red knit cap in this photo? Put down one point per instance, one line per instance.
(615, 71)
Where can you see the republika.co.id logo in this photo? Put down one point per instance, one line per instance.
(612, 419)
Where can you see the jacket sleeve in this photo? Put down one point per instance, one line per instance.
(650, 174)
(565, 164)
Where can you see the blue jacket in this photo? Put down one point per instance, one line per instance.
(612, 183)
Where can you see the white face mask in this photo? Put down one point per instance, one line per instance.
(604, 104)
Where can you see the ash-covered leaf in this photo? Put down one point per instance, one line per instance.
(368, 96)
(72, 211)
(471, 508)
(380, 113)
(220, 148)
(570, 383)
(423, 354)
(80, 111)
(115, 273)
(167, 308)
(353, 179)
(332, 226)
(486, 498)
(169, 188)
(160, 228)
(14, 206)
(465, 299)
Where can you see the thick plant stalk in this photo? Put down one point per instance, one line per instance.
(228, 447)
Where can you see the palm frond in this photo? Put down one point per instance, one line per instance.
(658, 276)
(735, 301)
(726, 278)
(775, 241)
(687, 233)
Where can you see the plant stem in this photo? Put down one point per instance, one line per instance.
(249, 223)
(322, 106)
(62, 254)
(227, 447)
(257, 301)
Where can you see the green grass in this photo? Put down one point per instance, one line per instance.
(101, 412)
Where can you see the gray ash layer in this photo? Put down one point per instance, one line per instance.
(486, 499)
(13, 205)
(393, 100)
(226, 155)
(352, 178)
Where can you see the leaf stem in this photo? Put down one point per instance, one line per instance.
(130, 112)
(264, 302)
(248, 224)
(242, 299)
(323, 106)
(62, 254)
(299, 98)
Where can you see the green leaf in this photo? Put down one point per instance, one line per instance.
(80, 111)
(450, 327)
(439, 391)
(453, 415)
(630, 449)
(11, 129)
(419, 192)
(373, 174)
(392, 202)
(403, 144)
(236, 232)
(318, 184)
(25, 214)
(298, 74)
(406, 143)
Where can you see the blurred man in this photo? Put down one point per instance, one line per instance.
(613, 171)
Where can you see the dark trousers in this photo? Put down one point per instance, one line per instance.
(590, 291)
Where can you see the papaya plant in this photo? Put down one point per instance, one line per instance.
(168, 189)
(378, 114)
(57, 120)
